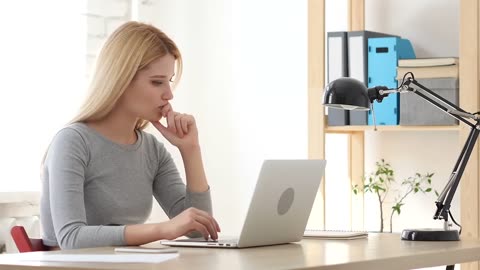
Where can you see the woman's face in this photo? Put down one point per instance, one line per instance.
(150, 89)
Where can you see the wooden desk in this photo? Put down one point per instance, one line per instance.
(379, 251)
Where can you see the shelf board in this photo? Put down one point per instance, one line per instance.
(346, 129)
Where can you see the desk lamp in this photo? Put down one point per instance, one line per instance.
(351, 94)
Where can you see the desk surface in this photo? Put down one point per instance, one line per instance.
(378, 251)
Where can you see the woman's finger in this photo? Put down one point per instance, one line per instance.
(171, 121)
(197, 226)
(166, 109)
(178, 124)
(209, 225)
(185, 120)
(216, 225)
(164, 130)
(208, 216)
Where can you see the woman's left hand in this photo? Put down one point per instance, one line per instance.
(181, 130)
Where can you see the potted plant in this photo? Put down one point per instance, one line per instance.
(380, 182)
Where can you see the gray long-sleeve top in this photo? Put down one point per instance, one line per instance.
(93, 187)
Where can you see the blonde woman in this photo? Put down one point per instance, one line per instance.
(100, 172)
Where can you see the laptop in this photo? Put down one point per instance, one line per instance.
(279, 208)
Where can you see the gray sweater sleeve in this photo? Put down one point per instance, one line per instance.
(170, 191)
(67, 160)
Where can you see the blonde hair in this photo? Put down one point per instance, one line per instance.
(131, 48)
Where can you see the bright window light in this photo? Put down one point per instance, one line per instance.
(42, 66)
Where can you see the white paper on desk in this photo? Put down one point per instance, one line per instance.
(107, 258)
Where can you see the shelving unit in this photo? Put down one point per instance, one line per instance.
(348, 129)
(469, 100)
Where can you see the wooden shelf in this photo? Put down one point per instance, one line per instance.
(347, 129)
(469, 79)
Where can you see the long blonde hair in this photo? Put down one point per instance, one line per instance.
(132, 47)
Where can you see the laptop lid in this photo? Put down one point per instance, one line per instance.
(282, 202)
(280, 206)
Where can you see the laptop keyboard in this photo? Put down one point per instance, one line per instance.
(200, 239)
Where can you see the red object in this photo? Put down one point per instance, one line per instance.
(24, 243)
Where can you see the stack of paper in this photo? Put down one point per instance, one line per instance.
(340, 235)
(441, 67)
(106, 258)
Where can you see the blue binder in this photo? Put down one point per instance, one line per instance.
(383, 55)
(358, 64)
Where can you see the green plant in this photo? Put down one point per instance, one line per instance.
(381, 183)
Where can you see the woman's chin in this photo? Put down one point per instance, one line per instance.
(155, 119)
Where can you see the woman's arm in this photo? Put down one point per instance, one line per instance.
(188, 221)
(66, 161)
(194, 171)
(168, 188)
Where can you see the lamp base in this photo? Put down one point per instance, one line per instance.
(430, 235)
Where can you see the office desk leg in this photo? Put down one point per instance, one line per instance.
(450, 267)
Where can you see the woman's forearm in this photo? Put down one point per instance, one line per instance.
(139, 234)
(195, 173)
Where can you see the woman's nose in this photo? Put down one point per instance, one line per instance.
(168, 95)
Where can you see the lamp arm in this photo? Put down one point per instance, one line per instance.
(458, 113)
(444, 200)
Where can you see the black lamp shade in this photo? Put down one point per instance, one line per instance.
(347, 94)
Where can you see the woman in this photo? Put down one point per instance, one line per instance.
(100, 172)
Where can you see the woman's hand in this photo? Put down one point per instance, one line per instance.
(191, 220)
(181, 129)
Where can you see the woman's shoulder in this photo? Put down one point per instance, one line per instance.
(71, 132)
(68, 140)
(72, 136)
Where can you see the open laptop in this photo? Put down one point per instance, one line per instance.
(279, 209)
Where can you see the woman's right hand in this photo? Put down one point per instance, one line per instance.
(190, 220)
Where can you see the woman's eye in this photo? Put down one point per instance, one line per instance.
(157, 82)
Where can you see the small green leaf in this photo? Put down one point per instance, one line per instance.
(428, 190)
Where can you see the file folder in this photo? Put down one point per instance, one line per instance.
(383, 55)
(358, 64)
(337, 61)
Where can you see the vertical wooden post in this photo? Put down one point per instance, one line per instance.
(356, 172)
(316, 112)
(356, 15)
(469, 101)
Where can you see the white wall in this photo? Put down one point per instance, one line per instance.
(247, 108)
(431, 25)
(102, 18)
